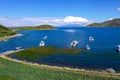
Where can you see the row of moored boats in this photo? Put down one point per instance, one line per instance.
(73, 43)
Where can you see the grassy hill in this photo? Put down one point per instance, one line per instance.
(5, 31)
(109, 23)
(40, 27)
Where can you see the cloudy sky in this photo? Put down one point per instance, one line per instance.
(57, 12)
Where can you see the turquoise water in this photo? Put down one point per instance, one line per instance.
(101, 56)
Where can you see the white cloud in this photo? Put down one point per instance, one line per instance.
(31, 21)
(110, 18)
(72, 19)
(118, 9)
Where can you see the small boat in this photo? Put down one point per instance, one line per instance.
(42, 43)
(87, 47)
(17, 48)
(74, 43)
(45, 37)
(5, 40)
(118, 48)
(91, 39)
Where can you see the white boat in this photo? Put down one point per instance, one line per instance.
(45, 37)
(118, 48)
(87, 47)
(74, 43)
(17, 48)
(91, 39)
(5, 40)
(42, 43)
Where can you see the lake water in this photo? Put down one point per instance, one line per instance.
(101, 56)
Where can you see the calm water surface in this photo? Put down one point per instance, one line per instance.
(101, 56)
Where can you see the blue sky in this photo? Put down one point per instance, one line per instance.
(33, 12)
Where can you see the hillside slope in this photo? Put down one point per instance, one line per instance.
(4, 31)
(109, 23)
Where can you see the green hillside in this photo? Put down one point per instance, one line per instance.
(109, 23)
(5, 31)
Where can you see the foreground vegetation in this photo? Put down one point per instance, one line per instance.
(10, 70)
(4, 32)
(38, 52)
(40, 27)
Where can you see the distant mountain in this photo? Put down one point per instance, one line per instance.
(40, 27)
(109, 23)
(4, 31)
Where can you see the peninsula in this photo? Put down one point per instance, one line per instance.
(39, 27)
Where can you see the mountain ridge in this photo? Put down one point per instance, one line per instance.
(110, 23)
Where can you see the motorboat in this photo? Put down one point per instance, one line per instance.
(42, 43)
(87, 47)
(91, 39)
(45, 37)
(17, 48)
(5, 40)
(118, 48)
(74, 43)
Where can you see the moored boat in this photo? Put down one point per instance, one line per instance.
(42, 43)
(74, 43)
(91, 39)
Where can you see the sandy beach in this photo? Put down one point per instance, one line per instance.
(8, 37)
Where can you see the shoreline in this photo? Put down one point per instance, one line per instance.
(4, 56)
(9, 52)
(8, 37)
